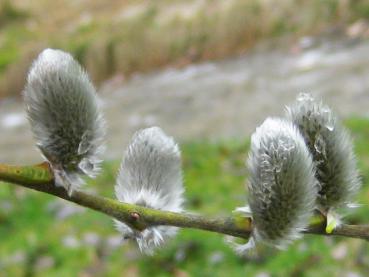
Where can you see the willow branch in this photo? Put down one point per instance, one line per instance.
(40, 178)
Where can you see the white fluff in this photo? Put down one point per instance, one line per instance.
(282, 186)
(151, 176)
(332, 151)
(62, 109)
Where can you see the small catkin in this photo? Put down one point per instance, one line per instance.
(282, 187)
(332, 151)
(151, 176)
(62, 108)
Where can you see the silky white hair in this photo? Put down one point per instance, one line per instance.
(151, 176)
(332, 151)
(66, 122)
(282, 186)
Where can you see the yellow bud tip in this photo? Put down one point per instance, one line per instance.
(332, 222)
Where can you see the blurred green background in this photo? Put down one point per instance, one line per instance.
(44, 236)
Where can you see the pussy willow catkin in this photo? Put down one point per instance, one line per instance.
(66, 122)
(151, 176)
(332, 151)
(282, 187)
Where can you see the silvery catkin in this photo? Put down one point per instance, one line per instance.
(151, 176)
(332, 151)
(62, 108)
(282, 187)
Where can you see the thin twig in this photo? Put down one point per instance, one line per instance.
(40, 178)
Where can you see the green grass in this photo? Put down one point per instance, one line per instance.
(32, 240)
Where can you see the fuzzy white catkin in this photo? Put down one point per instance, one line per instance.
(282, 186)
(332, 151)
(151, 176)
(66, 122)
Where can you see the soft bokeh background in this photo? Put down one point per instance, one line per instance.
(206, 71)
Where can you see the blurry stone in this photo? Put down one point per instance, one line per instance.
(149, 120)
(309, 60)
(184, 250)
(44, 262)
(303, 246)
(134, 120)
(113, 83)
(216, 257)
(339, 252)
(362, 254)
(13, 120)
(328, 241)
(306, 42)
(132, 253)
(114, 242)
(20, 193)
(91, 239)
(352, 274)
(131, 11)
(71, 242)
(141, 121)
(358, 29)
(6, 206)
(180, 255)
(17, 258)
(63, 209)
(262, 274)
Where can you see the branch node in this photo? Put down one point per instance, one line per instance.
(135, 216)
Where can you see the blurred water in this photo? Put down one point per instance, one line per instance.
(215, 100)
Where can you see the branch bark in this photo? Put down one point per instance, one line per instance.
(40, 178)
